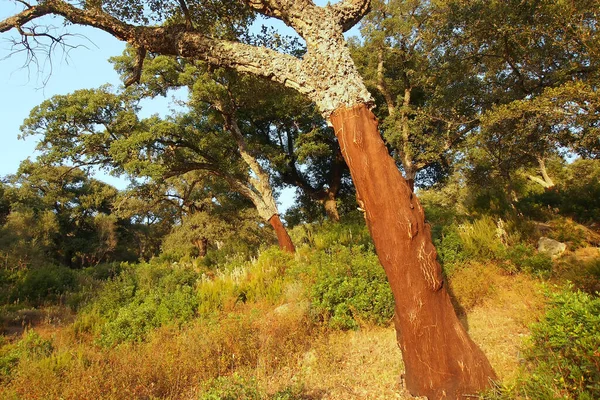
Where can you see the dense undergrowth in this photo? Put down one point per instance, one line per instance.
(248, 328)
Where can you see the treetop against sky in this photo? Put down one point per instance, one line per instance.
(25, 84)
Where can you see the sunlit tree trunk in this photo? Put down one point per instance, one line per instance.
(285, 242)
(441, 360)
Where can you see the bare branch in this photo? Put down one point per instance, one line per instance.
(350, 12)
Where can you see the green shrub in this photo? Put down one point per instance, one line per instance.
(234, 387)
(350, 287)
(237, 387)
(480, 239)
(44, 284)
(141, 298)
(524, 258)
(31, 347)
(450, 249)
(564, 353)
(323, 236)
(265, 277)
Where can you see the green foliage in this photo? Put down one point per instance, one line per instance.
(524, 258)
(238, 387)
(564, 352)
(575, 196)
(483, 240)
(352, 231)
(44, 284)
(350, 288)
(31, 347)
(449, 247)
(140, 299)
(480, 239)
(232, 388)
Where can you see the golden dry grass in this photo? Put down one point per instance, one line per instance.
(276, 349)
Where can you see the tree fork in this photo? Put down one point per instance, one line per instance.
(440, 359)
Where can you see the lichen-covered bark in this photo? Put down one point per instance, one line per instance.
(441, 360)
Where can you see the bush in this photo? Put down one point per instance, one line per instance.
(141, 298)
(44, 284)
(31, 347)
(350, 288)
(564, 353)
(237, 387)
(480, 239)
(524, 258)
(450, 248)
(324, 236)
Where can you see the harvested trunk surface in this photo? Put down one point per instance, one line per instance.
(441, 360)
(285, 242)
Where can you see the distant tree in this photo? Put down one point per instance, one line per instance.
(281, 126)
(96, 127)
(203, 211)
(426, 103)
(538, 64)
(63, 214)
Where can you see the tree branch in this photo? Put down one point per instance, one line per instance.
(350, 12)
(175, 40)
(140, 55)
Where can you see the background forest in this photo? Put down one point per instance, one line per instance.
(191, 283)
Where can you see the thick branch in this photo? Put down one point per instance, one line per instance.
(350, 12)
(174, 40)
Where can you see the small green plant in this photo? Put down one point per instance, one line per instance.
(522, 257)
(31, 347)
(234, 387)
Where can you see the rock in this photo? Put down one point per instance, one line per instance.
(551, 247)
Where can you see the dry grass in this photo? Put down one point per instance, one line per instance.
(500, 323)
(275, 349)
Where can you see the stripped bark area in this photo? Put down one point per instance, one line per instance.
(441, 360)
(285, 242)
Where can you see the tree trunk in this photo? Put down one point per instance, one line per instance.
(440, 359)
(549, 183)
(410, 176)
(285, 242)
(202, 246)
(330, 205)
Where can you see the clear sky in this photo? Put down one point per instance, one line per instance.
(24, 85)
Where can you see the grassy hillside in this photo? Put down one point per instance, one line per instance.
(277, 326)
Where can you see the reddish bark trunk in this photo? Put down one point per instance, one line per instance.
(285, 242)
(440, 359)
